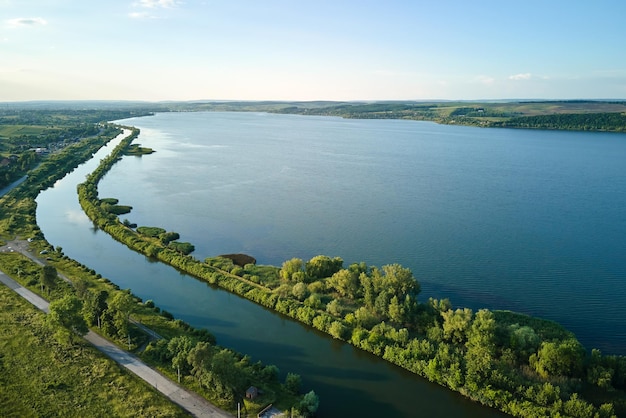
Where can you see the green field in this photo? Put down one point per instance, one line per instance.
(39, 377)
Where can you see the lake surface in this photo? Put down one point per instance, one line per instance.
(508, 219)
(531, 221)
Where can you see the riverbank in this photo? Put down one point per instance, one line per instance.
(191, 402)
(445, 356)
(112, 311)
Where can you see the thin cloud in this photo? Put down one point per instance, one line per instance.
(522, 76)
(483, 79)
(148, 9)
(151, 4)
(26, 22)
(141, 15)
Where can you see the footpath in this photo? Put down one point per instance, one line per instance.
(190, 401)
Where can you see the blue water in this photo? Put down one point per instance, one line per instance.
(525, 220)
(348, 381)
(531, 221)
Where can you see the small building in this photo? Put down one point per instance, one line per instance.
(252, 392)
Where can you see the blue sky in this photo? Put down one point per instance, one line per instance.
(311, 50)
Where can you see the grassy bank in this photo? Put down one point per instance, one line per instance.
(224, 375)
(40, 377)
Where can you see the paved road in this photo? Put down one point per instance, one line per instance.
(196, 405)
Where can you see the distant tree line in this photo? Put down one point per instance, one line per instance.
(369, 111)
(470, 115)
(63, 116)
(614, 122)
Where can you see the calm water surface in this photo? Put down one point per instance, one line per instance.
(524, 220)
(531, 221)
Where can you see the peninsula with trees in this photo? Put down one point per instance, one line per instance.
(518, 364)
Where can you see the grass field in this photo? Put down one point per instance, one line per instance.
(38, 377)
(17, 130)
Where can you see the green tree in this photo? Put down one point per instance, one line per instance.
(563, 358)
(293, 382)
(168, 237)
(48, 278)
(523, 340)
(337, 330)
(334, 308)
(381, 304)
(300, 291)
(66, 319)
(226, 371)
(309, 404)
(322, 266)
(399, 281)
(94, 305)
(481, 348)
(369, 292)
(199, 358)
(179, 348)
(365, 317)
(314, 301)
(396, 310)
(123, 305)
(597, 373)
(346, 282)
(456, 323)
(291, 267)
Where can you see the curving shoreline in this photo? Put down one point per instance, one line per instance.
(261, 295)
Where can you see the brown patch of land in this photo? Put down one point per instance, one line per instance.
(240, 259)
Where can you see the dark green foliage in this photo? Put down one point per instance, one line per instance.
(150, 231)
(584, 122)
(182, 247)
(290, 268)
(109, 201)
(48, 278)
(562, 358)
(138, 150)
(118, 209)
(309, 404)
(168, 237)
(321, 266)
(293, 382)
(94, 306)
(66, 319)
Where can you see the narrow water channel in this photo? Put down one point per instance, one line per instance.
(348, 381)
